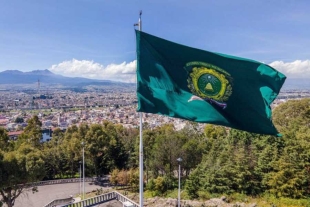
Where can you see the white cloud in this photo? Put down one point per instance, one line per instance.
(124, 72)
(295, 69)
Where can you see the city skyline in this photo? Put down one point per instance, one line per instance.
(95, 39)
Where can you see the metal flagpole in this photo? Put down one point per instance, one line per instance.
(179, 191)
(83, 197)
(179, 188)
(141, 140)
(141, 162)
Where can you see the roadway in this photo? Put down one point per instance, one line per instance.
(48, 193)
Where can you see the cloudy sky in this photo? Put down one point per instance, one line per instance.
(95, 38)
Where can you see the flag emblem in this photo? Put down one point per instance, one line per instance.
(209, 83)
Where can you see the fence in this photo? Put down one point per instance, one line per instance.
(68, 202)
(123, 199)
(70, 180)
(101, 199)
(58, 202)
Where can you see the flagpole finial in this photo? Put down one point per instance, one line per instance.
(139, 24)
(140, 21)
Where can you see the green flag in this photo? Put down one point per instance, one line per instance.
(201, 86)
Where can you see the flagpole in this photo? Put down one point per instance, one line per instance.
(141, 141)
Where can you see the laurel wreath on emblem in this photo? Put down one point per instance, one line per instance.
(208, 83)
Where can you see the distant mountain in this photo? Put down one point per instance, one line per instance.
(47, 77)
(296, 84)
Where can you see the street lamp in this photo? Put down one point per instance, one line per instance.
(83, 145)
(179, 191)
(80, 162)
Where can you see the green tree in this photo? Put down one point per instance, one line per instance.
(33, 131)
(97, 144)
(193, 147)
(114, 177)
(290, 177)
(19, 120)
(72, 149)
(55, 156)
(160, 185)
(290, 116)
(5, 143)
(21, 161)
(195, 182)
(116, 152)
(148, 150)
(128, 137)
(17, 169)
(167, 148)
(134, 179)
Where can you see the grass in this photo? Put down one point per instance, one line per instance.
(168, 194)
(94, 193)
(269, 201)
(286, 202)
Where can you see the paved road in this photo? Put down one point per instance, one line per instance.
(49, 193)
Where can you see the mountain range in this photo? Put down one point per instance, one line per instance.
(296, 84)
(46, 77)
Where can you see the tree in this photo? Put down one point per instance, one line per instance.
(97, 144)
(290, 177)
(20, 163)
(5, 144)
(194, 183)
(134, 179)
(239, 162)
(17, 168)
(19, 120)
(123, 177)
(127, 137)
(114, 177)
(73, 153)
(148, 147)
(290, 116)
(115, 148)
(287, 179)
(166, 150)
(54, 155)
(33, 131)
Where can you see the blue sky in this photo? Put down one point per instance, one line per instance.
(95, 38)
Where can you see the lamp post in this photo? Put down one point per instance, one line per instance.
(83, 197)
(179, 191)
(80, 162)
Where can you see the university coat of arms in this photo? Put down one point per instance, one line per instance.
(209, 83)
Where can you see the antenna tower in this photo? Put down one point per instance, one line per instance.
(39, 93)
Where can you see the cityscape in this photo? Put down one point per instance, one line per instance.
(61, 108)
(223, 88)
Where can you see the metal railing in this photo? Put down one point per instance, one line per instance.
(123, 199)
(102, 199)
(58, 202)
(62, 181)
